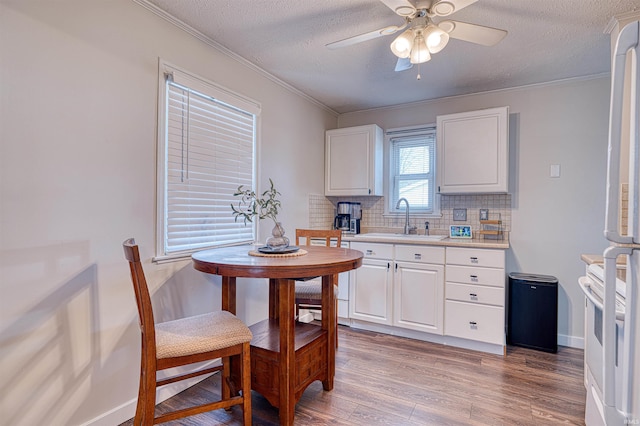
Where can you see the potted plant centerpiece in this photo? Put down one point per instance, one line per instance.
(264, 206)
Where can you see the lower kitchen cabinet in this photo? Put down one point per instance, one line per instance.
(399, 285)
(475, 295)
(419, 288)
(418, 296)
(475, 322)
(371, 291)
(451, 295)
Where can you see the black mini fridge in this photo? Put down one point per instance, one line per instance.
(532, 311)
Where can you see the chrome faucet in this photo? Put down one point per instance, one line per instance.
(406, 215)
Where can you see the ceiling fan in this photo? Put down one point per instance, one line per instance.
(424, 37)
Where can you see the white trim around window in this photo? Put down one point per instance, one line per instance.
(207, 145)
(422, 140)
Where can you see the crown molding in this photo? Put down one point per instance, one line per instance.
(616, 20)
(217, 46)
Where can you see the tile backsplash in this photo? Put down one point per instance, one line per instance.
(322, 210)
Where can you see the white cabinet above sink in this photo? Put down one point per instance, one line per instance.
(473, 151)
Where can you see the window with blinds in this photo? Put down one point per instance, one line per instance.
(207, 149)
(412, 170)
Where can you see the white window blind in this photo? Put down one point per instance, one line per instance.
(208, 151)
(413, 169)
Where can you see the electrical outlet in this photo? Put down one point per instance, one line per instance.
(459, 214)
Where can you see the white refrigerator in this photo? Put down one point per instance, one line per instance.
(618, 402)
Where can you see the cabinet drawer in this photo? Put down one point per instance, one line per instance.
(475, 322)
(471, 275)
(475, 257)
(374, 250)
(475, 294)
(422, 254)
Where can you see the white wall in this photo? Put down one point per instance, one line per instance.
(77, 169)
(553, 220)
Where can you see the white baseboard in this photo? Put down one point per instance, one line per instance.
(127, 410)
(571, 341)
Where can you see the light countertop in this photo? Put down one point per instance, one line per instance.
(597, 258)
(446, 242)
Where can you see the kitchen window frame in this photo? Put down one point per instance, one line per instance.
(389, 172)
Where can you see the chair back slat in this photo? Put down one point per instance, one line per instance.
(143, 299)
(328, 235)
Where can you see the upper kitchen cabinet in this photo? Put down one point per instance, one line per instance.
(473, 151)
(353, 161)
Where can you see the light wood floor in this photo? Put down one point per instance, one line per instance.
(387, 380)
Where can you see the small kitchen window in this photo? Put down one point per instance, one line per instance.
(412, 153)
(206, 149)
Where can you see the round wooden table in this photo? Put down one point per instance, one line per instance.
(286, 356)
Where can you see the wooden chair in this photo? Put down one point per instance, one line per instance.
(309, 293)
(186, 341)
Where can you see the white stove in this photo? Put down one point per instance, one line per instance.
(593, 287)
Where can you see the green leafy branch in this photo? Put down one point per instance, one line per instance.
(250, 205)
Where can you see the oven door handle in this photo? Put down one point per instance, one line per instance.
(585, 286)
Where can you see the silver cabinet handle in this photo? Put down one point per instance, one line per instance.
(473, 259)
(473, 323)
(473, 295)
(369, 251)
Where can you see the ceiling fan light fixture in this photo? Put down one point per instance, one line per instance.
(419, 51)
(402, 45)
(436, 39)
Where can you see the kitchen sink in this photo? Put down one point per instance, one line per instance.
(398, 236)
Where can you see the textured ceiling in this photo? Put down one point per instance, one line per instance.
(548, 40)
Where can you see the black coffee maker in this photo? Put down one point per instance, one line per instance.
(348, 217)
(342, 220)
(354, 218)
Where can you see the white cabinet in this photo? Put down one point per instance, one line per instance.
(473, 151)
(353, 161)
(370, 285)
(418, 285)
(401, 285)
(475, 295)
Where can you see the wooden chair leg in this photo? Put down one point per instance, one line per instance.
(336, 324)
(246, 383)
(224, 380)
(146, 398)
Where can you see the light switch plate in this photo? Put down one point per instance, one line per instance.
(459, 214)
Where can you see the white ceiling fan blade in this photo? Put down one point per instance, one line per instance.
(401, 7)
(403, 64)
(473, 33)
(366, 36)
(447, 7)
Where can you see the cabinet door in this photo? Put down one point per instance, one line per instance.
(419, 296)
(476, 322)
(371, 292)
(473, 151)
(353, 161)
